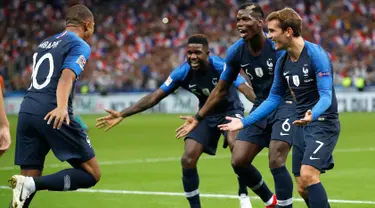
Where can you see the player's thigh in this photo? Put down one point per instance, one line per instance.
(255, 134)
(206, 134)
(282, 125)
(248, 144)
(320, 139)
(298, 150)
(31, 146)
(69, 142)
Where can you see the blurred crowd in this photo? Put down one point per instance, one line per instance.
(138, 43)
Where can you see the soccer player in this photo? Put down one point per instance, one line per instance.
(199, 75)
(46, 116)
(307, 70)
(4, 128)
(257, 56)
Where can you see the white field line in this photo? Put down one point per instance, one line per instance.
(129, 192)
(173, 159)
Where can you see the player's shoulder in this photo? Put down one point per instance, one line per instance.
(314, 50)
(235, 47)
(217, 62)
(181, 71)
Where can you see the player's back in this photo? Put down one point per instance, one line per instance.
(63, 50)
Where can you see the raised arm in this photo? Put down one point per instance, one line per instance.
(148, 101)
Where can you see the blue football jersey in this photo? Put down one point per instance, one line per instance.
(201, 83)
(62, 51)
(310, 80)
(259, 69)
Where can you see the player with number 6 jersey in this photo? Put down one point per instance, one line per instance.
(46, 120)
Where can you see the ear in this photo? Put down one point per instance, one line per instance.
(289, 32)
(208, 52)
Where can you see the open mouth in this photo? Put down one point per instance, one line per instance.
(194, 64)
(242, 32)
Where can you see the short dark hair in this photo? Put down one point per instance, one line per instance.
(253, 7)
(78, 14)
(288, 18)
(198, 39)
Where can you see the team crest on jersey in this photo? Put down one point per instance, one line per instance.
(214, 81)
(81, 61)
(296, 80)
(305, 71)
(270, 66)
(259, 71)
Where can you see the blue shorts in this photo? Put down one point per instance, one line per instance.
(313, 145)
(277, 126)
(35, 138)
(208, 134)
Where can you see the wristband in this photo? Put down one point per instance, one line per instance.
(198, 117)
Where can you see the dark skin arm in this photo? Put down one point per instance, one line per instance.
(219, 93)
(143, 104)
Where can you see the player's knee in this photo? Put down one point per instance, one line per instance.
(301, 188)
(239, 162)
(276, 161)
(97, 176)
(187, 161)
(309, 177)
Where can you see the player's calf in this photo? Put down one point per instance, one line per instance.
(190, 177)
(278, 154)
(317, 195)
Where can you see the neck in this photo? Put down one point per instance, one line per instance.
(75, 29)
(296, 47)
(256, 43)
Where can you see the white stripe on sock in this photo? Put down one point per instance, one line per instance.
(284, 203)
(192, 193)
(257, 186)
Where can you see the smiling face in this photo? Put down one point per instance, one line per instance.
(197, 55)
(248, 23)
(278, 36)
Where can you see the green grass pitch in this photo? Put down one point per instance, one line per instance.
(141, 168)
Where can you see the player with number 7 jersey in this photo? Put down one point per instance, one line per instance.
(46, 120)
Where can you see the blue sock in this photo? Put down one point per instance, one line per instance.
(253, 179)
(283, 186)
(317, 196)
(190, 181)
(65, 180)
(242, 188)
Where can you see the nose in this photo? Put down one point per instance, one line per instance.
(269, 36)
(193, 56)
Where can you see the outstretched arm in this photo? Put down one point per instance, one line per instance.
(144, 103)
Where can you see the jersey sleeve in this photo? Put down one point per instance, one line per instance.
(239, 81)
(273, 99)
(324, 80)
(77, 58)
(174, 79)
(231, 65)
(219, 64)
